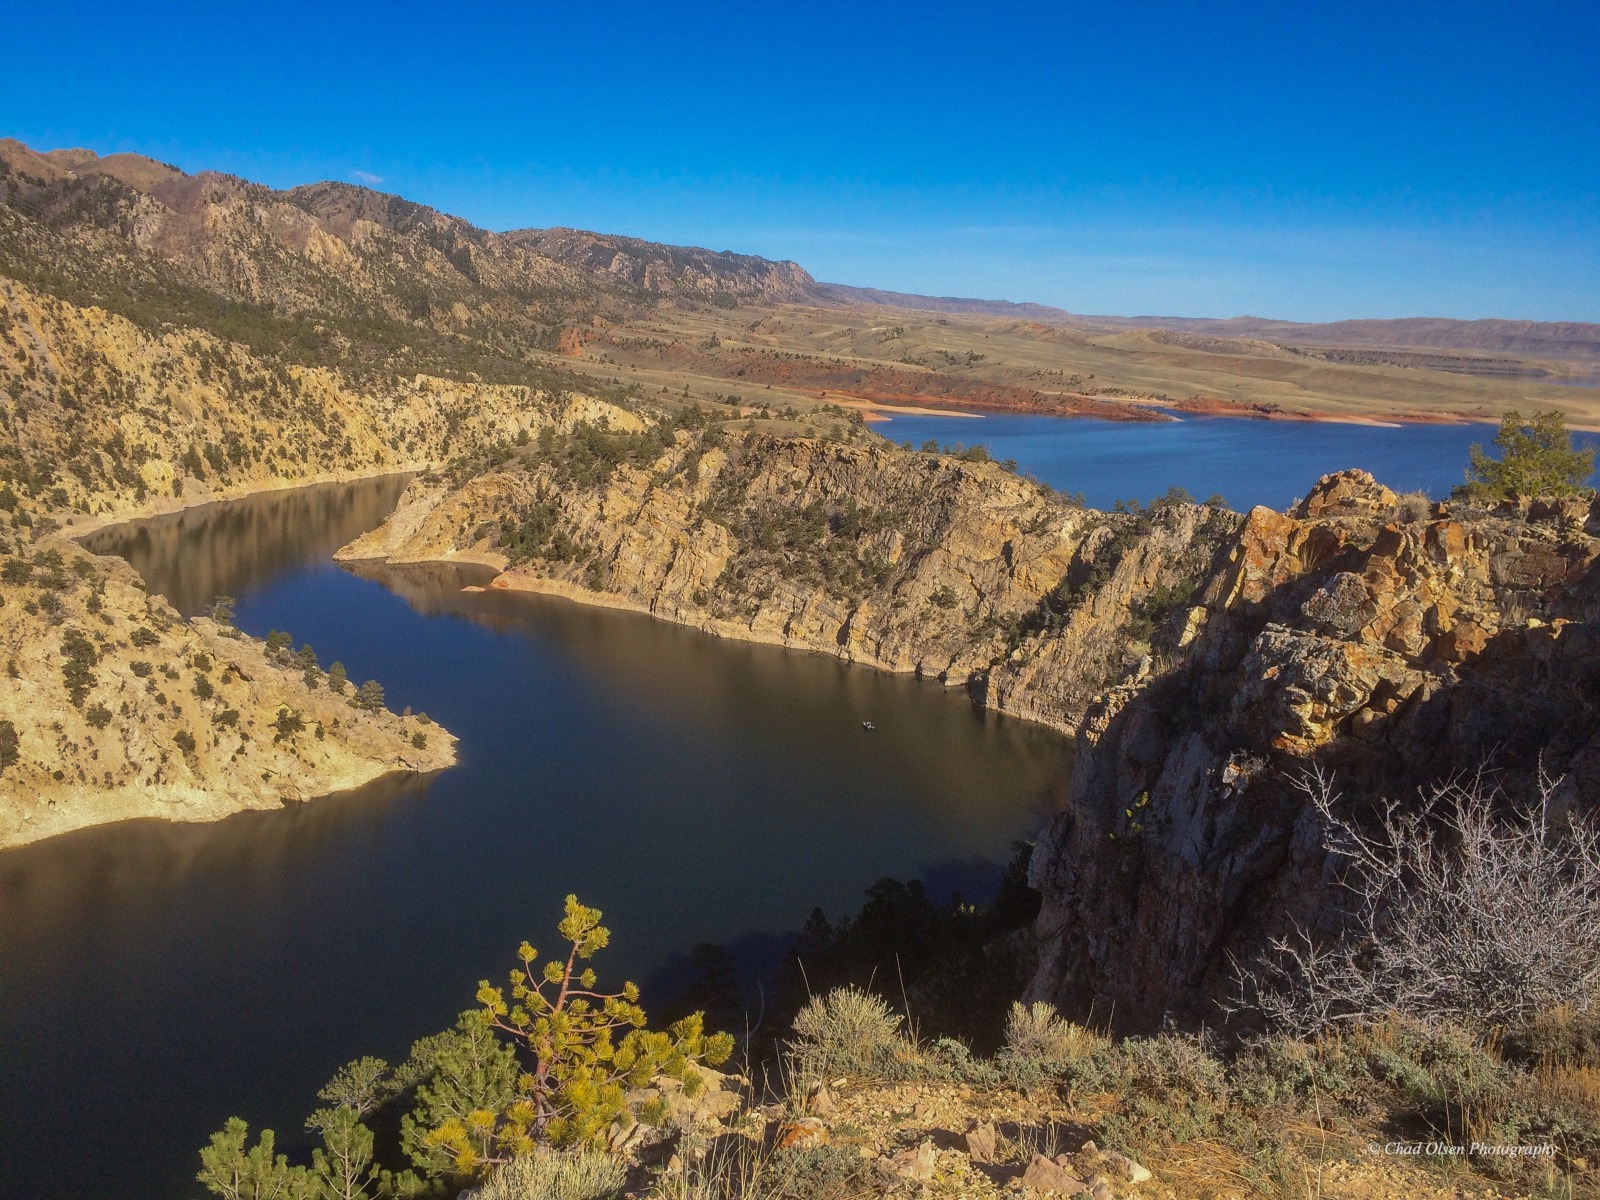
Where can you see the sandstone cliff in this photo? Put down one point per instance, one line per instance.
(1201, 659)
(910, 562)
(115, 707)
(1393, 651)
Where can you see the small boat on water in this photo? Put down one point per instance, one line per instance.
(868, 726)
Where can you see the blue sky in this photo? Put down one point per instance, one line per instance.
(1307, 160)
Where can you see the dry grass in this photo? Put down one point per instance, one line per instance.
(1563, 1083)
(1125, 362)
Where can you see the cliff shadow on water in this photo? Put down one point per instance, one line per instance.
(649, 767)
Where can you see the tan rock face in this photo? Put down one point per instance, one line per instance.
(914, 563)
(1391, 652)
(1200, 659)
(112, 419)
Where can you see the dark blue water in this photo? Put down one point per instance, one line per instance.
(156, 979)
(1247, 462)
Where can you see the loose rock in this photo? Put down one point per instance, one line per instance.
(1043, 1175)
(980, 1143)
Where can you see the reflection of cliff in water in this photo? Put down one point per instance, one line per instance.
(194, 556)
(52, 888)
(794, 704)
(432, 589)
(697, 790)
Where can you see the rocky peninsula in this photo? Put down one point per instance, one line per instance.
(115, 707)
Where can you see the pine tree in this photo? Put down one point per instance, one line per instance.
(577, 1072)
(1537, 459)
(233, 1172)
(10, 744)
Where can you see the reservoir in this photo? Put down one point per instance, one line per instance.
(158, 978)
(1247, 462)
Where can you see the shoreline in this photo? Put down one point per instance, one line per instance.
(877, 412)
(575, 593)
(192, 809)
(81, 525)
(216, 800)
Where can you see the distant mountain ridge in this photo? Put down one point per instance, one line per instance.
(54, 182)
(333, 272)
(99, 228)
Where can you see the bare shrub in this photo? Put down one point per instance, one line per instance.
(736, 1168)
(1173, 1064)
(1413, 507)
(1462, 908)
(848, 1030)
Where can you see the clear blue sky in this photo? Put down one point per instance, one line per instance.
(1307, 160)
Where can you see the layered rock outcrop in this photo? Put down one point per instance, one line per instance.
(909, 562)
(1202, 660)
(1393, 652)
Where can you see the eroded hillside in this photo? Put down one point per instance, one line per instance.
(911, 562)
(103, 417)
(115, 707)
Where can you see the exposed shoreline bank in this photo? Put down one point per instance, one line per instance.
(79, 526)
(198, 786)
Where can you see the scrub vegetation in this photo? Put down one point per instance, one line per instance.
(1373, 1060)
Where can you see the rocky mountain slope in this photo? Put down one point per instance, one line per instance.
(1390, 643)
(115, 707)
(101, 416)
(140, 236)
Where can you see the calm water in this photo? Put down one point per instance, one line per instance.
(1247, 462)
(155, 979)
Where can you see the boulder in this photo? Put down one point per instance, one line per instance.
(980, 1142)
(1052, 1178)
(917, 1165)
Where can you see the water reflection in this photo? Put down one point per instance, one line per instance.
(695, 789)
(194, 556)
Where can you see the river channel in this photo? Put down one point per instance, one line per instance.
(157, 978)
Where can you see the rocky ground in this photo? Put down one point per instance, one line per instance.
(850, 1137)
